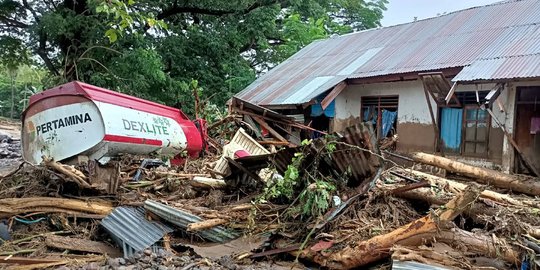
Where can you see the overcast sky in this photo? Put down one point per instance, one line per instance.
(403, 11)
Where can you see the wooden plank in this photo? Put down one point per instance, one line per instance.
(434, 124)
(292, 124)
(270, 129)
(333, 94)
(78, 244)
(25, 260)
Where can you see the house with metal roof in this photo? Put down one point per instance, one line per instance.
(466, 84)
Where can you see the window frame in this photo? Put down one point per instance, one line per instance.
(378, 127)
(464, 140)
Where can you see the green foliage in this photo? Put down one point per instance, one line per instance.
(284, 187)
(123, 18)
(313, 191)
(155, 48)
(17, 85)
(316, 197)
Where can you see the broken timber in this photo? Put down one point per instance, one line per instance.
(378, 247)
(70, 243)
(14, 206)
(456, 186)
(483, 175)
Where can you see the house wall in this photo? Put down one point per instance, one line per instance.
(414, 121)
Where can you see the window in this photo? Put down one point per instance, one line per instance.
(465, 130)
(476, 130)
(382, 112)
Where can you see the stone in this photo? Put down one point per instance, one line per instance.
(113, 262)
(147, 252)
(122, 261)
(93, 266)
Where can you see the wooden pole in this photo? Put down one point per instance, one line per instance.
(205, 224)
(456, 186)
(483, 175)
(14, 206)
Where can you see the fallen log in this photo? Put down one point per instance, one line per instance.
(378, 247)
(70, 243)
(205, 224)
(428, 255)
(477, 212)
(488, 245)
(14, 206)
(483, 175)
(456, 186)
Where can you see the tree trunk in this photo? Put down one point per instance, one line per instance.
(12, 113)
(454, 186)
(476, 212)
(15, 206)
(378, 247)
(483, 175)
(487, 245)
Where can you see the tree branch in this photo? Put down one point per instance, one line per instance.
(27, 6)
(42, 52)
(175, 9)
(12, 22)
(178, 10)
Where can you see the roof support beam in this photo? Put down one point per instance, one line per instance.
(333, 94)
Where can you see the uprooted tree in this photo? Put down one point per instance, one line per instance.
(153, 49)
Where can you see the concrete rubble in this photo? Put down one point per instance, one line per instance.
(269, 202)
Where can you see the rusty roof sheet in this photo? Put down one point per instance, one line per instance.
(501, 30)
(525, 66)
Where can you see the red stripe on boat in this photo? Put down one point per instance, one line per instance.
(126, 139)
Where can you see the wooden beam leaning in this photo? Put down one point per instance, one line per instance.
(333, 94)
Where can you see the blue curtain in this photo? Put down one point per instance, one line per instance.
(388, 119)
(451, 119)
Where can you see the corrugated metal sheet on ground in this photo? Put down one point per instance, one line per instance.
(129, 227)
(182, 219)
(500, 30)
(410, 265)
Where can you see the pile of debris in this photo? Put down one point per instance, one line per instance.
(334, 201)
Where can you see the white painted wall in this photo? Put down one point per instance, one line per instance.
(413, 108)
(412, 101)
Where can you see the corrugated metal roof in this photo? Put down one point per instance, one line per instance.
(130, 229)
(525, 66)
(501, 30)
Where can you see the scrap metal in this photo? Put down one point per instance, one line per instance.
(182, 219)
(132, 231)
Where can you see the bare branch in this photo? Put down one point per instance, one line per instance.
(12, 22)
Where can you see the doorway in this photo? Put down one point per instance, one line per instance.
(527, 128)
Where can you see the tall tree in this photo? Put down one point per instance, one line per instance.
(155, 48)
